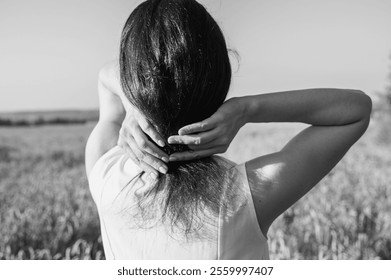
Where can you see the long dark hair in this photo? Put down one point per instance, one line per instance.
(175, 69)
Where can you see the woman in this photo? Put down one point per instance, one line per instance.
(160, 191)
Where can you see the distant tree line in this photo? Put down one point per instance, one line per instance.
(56, 117)
(41, 121)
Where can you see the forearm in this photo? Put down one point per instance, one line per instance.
(103, 137)
(111, 115)
(108, 131)
(312, 106)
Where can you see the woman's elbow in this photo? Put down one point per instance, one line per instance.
(365, 109)
(364, 103)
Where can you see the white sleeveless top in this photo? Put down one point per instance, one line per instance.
(237, 234)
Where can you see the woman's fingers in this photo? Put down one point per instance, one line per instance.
(155, 163)
(152, 164)
(195, 139)
(152, 172)
(212, 144)
(144, 166)
(151, 131)
(147, 146)
(146, 161)
(190, 155)
(205, 125)
(141, 149)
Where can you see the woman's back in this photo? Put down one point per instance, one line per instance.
(174, 69)
(118, 187)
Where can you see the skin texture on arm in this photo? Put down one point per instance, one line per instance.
(289, 174)
(338, 118)
(111, 114)
(278, 180)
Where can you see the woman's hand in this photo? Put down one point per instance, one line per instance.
(133, 137)
(212, 135)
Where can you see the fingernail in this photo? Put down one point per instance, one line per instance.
(161, 143)
(153, 175)
(163, 170)
(165, 159)
(170, 141)
(172, 158)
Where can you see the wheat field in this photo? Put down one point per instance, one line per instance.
(46, 211)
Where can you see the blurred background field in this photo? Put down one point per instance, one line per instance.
(32, 118)
(46, 211)
(51, 53)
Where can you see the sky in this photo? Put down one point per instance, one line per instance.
(51, 51)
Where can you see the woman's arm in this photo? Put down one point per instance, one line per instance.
(120, 124)
(111, 114)
(338, 119)
(312, 106)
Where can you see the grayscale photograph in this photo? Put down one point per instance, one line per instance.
(195, 130)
